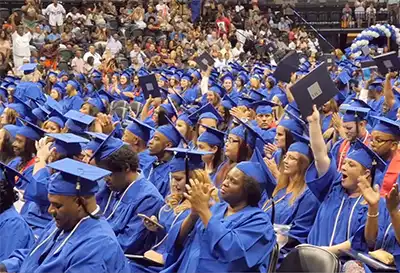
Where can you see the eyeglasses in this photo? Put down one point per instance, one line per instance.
(380, 141)
(231, 140)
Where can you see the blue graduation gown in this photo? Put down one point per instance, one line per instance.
(160, 177)
(191, 94)
(386, 238)
(71, 103)
(15, 233)
(300, 214)
(122, 210)
(21, 184)
(241, 242)
(167, 218)
(92, 247)
(326, 122)
(145, 161)
(34, 212)
(337, 208)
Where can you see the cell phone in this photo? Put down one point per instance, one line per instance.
(151, 220)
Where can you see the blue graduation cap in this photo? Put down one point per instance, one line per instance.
(187, 77)
(228, 103)
(96, 140)
(96, 74)
(30, 130)
(171, 133)
(169, 109)
(186, 159)
(253, 170)
(57, 118)
(387, 126)
(10, 174)
(74, 84)
(301, 145)
(107, 147)
(28, 68)
(366, 157)
(97, 102)
(218, 90)
(52, 73)
(245, 100)
(343, 77)
(104, 95)
(140, 129)
(74, 178)
(67, 144)
(263, 106)
(62, 74)
(196, 74)
(212, 137)
(354, 113)
(247, 133)
(77, 122)
(207, 111)
(292, 124)
(12, 130)
(227, 76)
(177, 98)
(185, 118)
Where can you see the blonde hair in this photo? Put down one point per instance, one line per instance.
(298, 184)
(178, 203)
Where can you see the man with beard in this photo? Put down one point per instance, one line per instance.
(354, 126)
(126, 194)
(79, 239)
(385, 137)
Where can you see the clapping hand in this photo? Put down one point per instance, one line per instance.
(43, 148)
(269, 150)
(199, 195)
(393, 199)
(370, 194)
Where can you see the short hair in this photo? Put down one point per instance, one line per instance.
(121, 159)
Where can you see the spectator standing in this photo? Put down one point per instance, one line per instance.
(92, 53)
(56, 13)
(114, 44)
(346, 16)
(5, 45)
(371, 14)
(359, 13)
(393, 10)
(77, 63)
(21, 50)
(223, 24)
(31, 14)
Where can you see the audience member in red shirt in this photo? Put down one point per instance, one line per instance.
(223, 24)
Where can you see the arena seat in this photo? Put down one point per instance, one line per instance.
(308, 258)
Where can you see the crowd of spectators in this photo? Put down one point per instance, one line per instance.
(152, 34)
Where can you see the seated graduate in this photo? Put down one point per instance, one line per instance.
(231, 236)
(354, 125)
(212, 141)
(294, 203)
(72, 100)
(378, 237)
(177, 207)
(15, 232)
(126, 194)
(165, 136)
(51, 148)
(79, 239)
(343, 209)
(24, 148)
(137, 134)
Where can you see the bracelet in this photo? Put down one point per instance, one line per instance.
(373, 216)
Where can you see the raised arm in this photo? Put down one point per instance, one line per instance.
(318, 146)
(392, 204)
(388, 92)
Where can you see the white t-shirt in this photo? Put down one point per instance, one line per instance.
(21, 44)
(96, 56)
(56, 14)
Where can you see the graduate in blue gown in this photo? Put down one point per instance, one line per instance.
(378, 236)
(137, 134)
(79, 239)
(166, 136)
(189, 93)
(15, 232)
(72, 100)
(375, 95)
(233, 236)
(24, 147)
(294, 203)
(35, 209)
(176, 208)
(126, 194)
(343, 209)
(227, 82)
(355, 127)
(212, 141)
